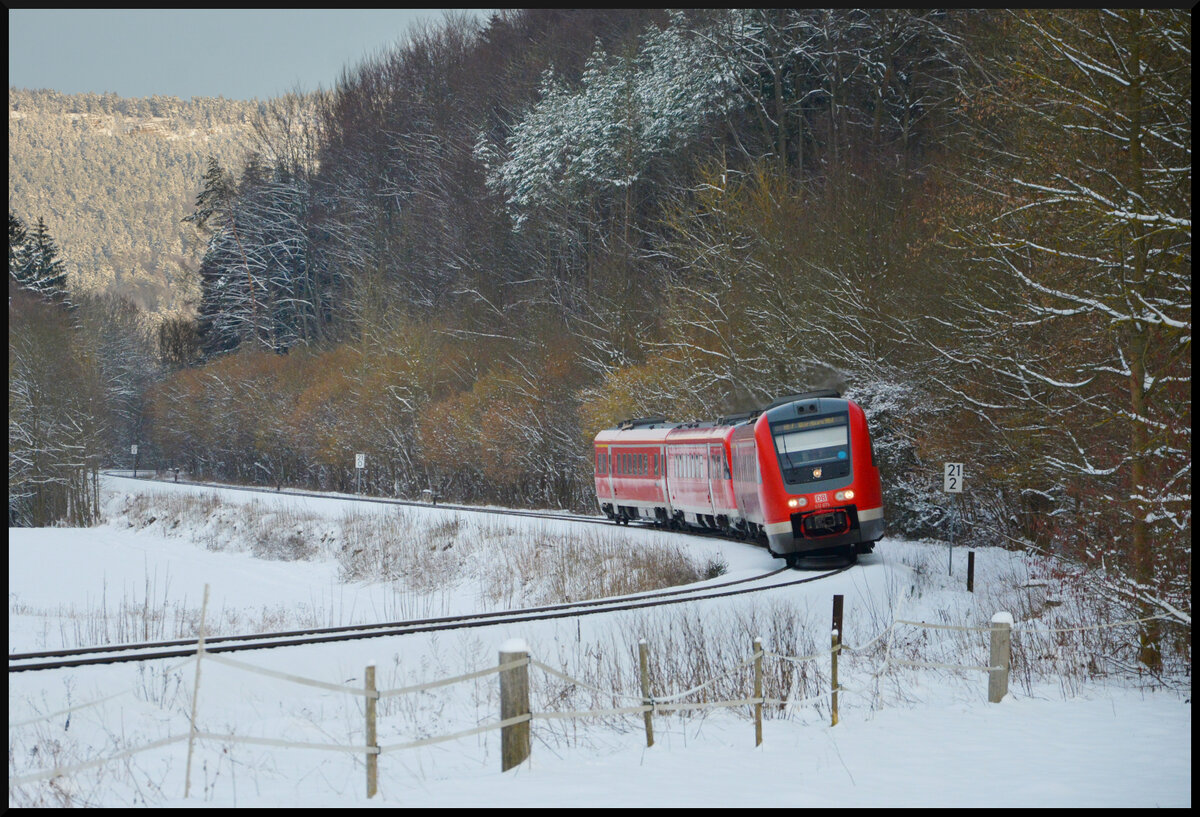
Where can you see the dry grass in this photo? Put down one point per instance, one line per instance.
(424, 563)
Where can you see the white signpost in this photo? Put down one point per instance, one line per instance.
(360, 462)
(133, 451)
(952, 483)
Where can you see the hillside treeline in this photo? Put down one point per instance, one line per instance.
(482, 246)
(111, 176)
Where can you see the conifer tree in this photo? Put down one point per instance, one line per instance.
(18, 240)
(34, 262)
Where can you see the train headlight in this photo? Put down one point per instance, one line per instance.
(797, 503)
(842, 496)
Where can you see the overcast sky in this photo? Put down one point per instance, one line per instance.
(236, 54)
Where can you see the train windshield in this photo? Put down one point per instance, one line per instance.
(813, 450)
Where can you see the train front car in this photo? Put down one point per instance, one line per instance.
(818, 488)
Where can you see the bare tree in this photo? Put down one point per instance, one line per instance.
(1079, 316)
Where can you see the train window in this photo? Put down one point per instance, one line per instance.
(813, 450)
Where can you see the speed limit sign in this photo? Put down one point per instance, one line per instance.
(952, 479)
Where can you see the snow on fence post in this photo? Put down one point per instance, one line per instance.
(644, 661)
(1001, 656)
(372, 741)
(514, 701)
(758, 656)
(187, 778)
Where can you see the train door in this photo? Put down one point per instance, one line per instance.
(718, 478)
(660, 476)
(715, 469)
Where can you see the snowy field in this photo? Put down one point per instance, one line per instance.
(906, 736)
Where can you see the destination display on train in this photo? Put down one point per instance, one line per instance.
(804, 425)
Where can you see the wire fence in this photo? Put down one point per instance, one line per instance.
(1000, 630)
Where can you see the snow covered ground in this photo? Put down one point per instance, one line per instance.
(906, 736)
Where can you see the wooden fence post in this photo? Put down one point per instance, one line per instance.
(1001, 657)
(187, 780)
(372, 741)
(835, 649)
(971, 571)
(758, 693)
(514, 701)
(644, 661)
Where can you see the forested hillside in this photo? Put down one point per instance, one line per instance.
(113, 178)
(481, 247)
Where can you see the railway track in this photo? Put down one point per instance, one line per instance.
(148, 651)
(561, 517)
(119, 653)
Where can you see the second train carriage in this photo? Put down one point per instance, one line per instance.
(799, 475)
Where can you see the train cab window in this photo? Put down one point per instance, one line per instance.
(814, 449)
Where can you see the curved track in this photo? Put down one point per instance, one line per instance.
(563, 517)
(111, 654)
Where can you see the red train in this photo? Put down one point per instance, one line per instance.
(799, 475)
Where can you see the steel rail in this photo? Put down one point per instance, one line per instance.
(210, 640)
(424, 626)
(562, 517)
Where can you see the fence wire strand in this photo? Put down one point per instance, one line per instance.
(658, 703)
